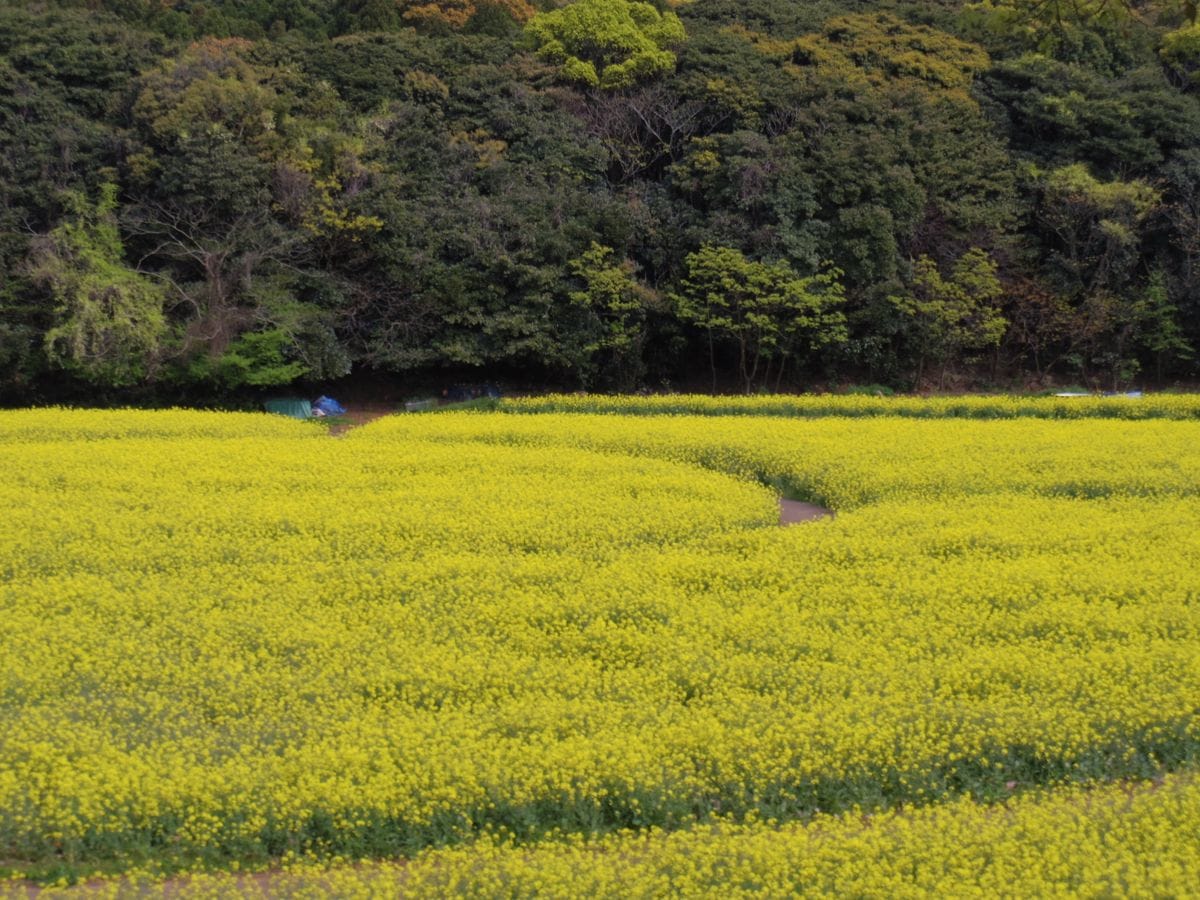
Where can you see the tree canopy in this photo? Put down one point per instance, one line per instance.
(607, 43)
(237, 194)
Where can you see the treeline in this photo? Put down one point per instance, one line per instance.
(214, 196)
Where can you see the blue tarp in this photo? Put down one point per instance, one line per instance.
(329, 406)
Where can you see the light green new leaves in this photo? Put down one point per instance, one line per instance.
(109, 317)
(607, 43)
(766, 309)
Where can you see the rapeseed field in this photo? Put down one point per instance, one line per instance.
(573, 652)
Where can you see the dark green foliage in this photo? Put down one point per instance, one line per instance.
(1059, 113)
(316, 186)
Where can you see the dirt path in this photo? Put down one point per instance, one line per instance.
(793, 512)
(360, 414)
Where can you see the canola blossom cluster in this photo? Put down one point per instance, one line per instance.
(1002, 406)
(540, 652)
(1113, 841)
(845, 463)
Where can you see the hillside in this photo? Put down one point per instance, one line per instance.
(224, 196)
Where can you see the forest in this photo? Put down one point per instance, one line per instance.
(205, 199)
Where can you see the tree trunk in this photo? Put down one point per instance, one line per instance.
(742, 361)
(753, 374)
(712, 360)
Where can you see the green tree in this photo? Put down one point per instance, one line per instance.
(607, 43)
(109, 322)
(61, 72)
(1097, 33)
(1058, 114)
(1183, 218)
(247, 187)
(486, 196)
(1154, 324)
(955, 315)
(1096, 227)
(616, 305)
(1094, 233)
(768, 311)
(1181, 54)
(872, 148)
(1149, 322)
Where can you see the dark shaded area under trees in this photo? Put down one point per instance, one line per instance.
(201, 199)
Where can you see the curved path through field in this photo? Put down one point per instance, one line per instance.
(791, 512)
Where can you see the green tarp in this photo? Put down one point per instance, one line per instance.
(290, 406)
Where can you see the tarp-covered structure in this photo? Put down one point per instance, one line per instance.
(290, 406)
